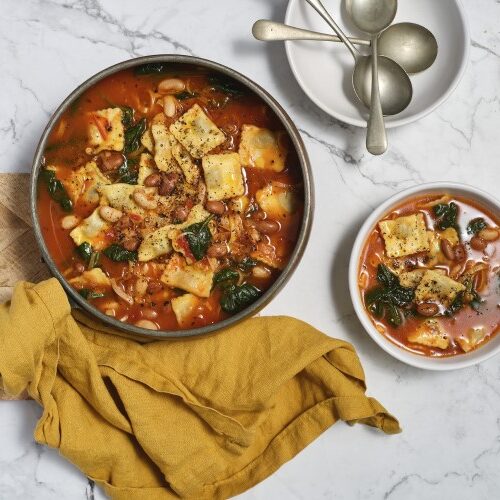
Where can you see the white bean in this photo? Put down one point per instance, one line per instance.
(261, 272)
(488, 234)
(146, 323)
(70, 221)
(169, 105)
(171, 85)
(110, 214)
(143, 201)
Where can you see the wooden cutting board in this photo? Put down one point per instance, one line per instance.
(19, 255)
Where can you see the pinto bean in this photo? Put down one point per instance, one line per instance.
(152, 180)
(460, 252)
(131, 243)
(488, 234)
(267, 226)
(110, 214)
(217, 250)
(108, 161)
(215, 207)
(478, 243)
(447, 249)
(171, 85)
(168, 183)
(181, 213)
(427, 309)
(124, 223)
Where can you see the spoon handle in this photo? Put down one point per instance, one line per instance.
(270, 31)
(376, 137)
(320, 9)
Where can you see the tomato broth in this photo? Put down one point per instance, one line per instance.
(220, 244)
(466, 263)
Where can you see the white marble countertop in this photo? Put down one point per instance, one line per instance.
(450, 447)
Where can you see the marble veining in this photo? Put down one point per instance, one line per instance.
(450, 447)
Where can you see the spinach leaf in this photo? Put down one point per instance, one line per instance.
(87, 294)
(119, 254)
(475, 225)
(56, 189)
(226, 85)
(85, 251)
(198, 236)
(133, 136)
(151, 68)
(446, 215)
(225, 276)
(387, 299)
(385, 276)
(185, 95)
(127, 116)
(127, 172)
(247, 263)
(94, 259)
(236, 298)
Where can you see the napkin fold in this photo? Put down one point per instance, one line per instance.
(196, 417)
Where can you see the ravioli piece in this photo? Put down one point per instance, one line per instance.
(184, 306)
(472, 338)
(197, 132)
(93, 279)
(436, 255)
(437, 287)
(276, 200)
(105, 130)
(405, 235)
(262, 148)
(147, 140)
(146, 167)
(154, 245)
(430, 333)
(90, 230)
(411, 279)
(83, 185)
(159, 243)
(164, 142)
(120, 196)
(196, 278)
(183, 158)
(223, 176)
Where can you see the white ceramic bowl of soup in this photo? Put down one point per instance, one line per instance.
(481, 353)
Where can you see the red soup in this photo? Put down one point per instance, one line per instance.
(171, 199)
(430, 275)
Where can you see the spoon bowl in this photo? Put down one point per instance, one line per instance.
(411, 45)
(393, 98)
(372, 16)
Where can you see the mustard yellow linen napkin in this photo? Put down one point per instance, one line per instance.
(196, 418)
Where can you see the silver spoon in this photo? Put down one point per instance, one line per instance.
(395, 86)
(372, 17)
(411, 45)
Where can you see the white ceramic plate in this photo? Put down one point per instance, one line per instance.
(324, 69)
(484, 352)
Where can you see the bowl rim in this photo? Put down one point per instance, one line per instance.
(403, 355)
(305, 166)
(359, 122)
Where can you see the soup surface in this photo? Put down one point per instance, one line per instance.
(430, 275)
(170, 197)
